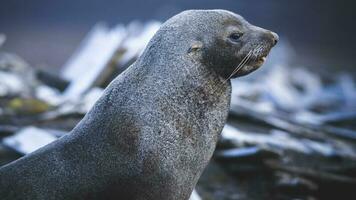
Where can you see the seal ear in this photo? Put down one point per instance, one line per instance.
(195, 47)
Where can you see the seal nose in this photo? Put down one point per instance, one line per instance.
(275, 38)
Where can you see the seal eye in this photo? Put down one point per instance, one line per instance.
(235, 36)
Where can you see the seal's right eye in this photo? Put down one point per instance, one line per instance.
(235, 36)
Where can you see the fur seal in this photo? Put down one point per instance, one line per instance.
(155, 128)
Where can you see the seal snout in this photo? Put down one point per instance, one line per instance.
(275, 37)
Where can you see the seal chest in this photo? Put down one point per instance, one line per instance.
(155, 128)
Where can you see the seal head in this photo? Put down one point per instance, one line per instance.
(224, 41)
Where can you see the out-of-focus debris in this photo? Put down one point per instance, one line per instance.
(217, 183)
(75, 105)
(139, 37)
(195, 196)
(6, 130)
(49, 95)
(246, 152)
(7, 154)
(287, 180)
(245, 160)
(312, 174)
(52, 80)
(279, 141)
(16, 77)
(14, 64)
(10, 84)
(291, 185)
(92, 62)
(299, 95)
(21, 106)
(29, 139)
(103, 50)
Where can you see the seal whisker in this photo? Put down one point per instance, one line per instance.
(239, 67)
(243, 61)
(243, 64)
(253, 52)
(240, 64)
(248, 56)
(257, 50)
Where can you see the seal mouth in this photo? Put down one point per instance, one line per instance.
(256, 63)
(250, 66)
(251, 61)
(263, 59)
(260, 61)
(258, 56)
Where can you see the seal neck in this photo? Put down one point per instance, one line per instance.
(182, 74)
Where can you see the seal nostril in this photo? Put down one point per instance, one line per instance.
(275, 38)
(275, 42)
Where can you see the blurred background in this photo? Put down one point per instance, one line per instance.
(291, 131)
(47, 32)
